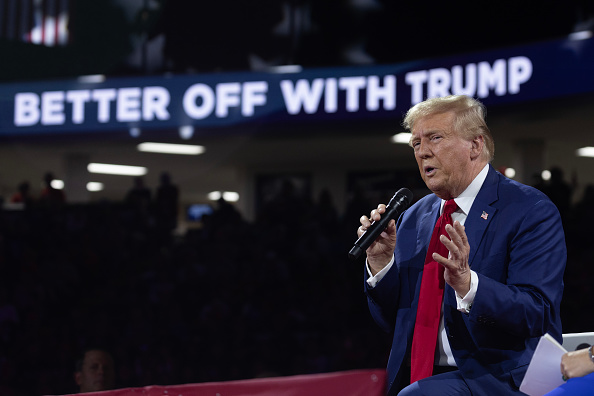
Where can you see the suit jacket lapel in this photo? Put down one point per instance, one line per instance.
(481, 213)
(427, 224)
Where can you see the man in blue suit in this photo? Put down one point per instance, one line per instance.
(503, 267)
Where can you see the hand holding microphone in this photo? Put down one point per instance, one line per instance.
(399, 203)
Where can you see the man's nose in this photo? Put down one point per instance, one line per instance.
(423, 150)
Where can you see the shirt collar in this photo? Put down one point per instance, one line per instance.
(466, 199)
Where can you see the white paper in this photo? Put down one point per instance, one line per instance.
(544, 372)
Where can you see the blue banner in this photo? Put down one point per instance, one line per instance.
(509, 75)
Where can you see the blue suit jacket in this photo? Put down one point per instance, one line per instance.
(517, 248)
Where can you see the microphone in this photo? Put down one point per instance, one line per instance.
(398, 204)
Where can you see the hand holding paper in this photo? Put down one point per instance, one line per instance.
(544, 372)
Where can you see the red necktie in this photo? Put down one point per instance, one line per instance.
(430, 297)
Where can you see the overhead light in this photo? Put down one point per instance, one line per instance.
(111, 169)
(168, 148)
(57, 184)
(581, 35)
(585, 152)
(93, 79)
(546, 175)
(134, 132)
(91, 186)
(402, 138)
(186, 131)
(285, 69)
(229, 196)
(94, 186)
(582, 30)
(214, 195)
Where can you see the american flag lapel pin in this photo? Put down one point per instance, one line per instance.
(484, 215)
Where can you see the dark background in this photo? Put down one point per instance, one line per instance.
(233, 299)
(222, 35)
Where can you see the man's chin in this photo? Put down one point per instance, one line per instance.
(439, 190)
(433, 185)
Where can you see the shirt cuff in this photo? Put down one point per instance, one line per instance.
(373, 280)
(465, 303)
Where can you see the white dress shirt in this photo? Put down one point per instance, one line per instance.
(443, 353)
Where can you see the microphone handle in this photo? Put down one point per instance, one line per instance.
(398, 203)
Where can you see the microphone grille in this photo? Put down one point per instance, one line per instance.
(406, 194)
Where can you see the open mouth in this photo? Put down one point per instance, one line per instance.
(429, 170)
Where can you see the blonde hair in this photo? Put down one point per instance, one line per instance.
(469, 122)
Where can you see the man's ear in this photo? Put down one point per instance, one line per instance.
(77, 378)
(477, 144)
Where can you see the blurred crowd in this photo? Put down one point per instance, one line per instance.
(228, 300)
(231, 299)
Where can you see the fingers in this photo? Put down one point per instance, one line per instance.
(575, 363)
(456, 263)
(457, 271)
(457, 243)
(457, 234)
(365, 222)
(375, 215)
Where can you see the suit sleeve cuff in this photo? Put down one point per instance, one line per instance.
(465, 303)
(373, 280)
